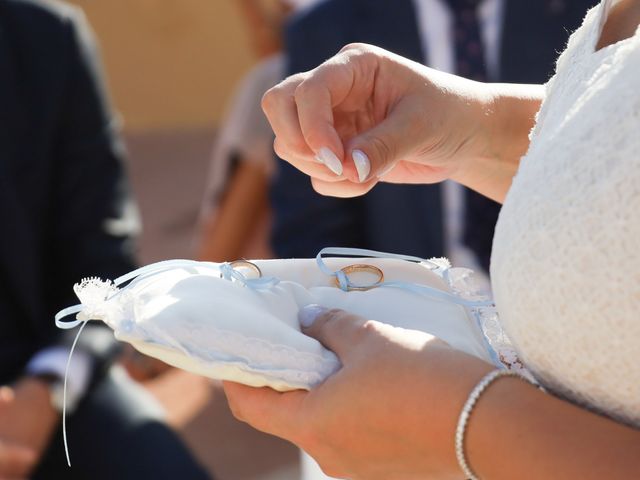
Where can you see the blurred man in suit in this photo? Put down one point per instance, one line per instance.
(65, 214)
(494, 40)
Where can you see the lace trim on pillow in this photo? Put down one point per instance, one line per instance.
(284, 362)
(505, 356)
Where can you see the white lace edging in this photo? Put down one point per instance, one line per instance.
(251, 354)
(503, 353)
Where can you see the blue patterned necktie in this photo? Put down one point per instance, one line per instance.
(481, 213)
(469, 50)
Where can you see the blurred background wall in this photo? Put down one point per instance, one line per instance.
(170, 63)
(171, 66)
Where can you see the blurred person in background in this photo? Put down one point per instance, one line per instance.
(66, 214)
(235, 215)
(486, 40)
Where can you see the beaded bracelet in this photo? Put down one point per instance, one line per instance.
(469, 405)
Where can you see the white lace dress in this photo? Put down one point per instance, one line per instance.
(566, 254)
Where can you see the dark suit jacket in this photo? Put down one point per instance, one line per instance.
(62, 189)
(396, 218)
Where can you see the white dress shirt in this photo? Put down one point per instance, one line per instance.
(435, 25)
(53, 361)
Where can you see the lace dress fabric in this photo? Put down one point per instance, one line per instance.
(566, 259)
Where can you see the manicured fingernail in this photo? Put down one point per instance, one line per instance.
(386, 170)
(307, 315)
(362, 163)
(329, 158)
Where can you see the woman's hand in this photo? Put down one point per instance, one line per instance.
(390, 412)
(367, 114)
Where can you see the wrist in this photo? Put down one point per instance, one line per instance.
(467, 411)
(511, 115)
(476, 119)
(461, 140)
(501, 118)
(496, 417)
(49, 366)
(456, 377)
(38, 391)
(55, 392)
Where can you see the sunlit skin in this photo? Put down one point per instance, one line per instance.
(243, 206)
(264, 24)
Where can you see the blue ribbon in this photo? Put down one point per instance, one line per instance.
(346, 284)
(262, 283)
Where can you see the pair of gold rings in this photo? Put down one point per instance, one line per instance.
(349, 269)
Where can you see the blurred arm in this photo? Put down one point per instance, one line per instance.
(263, 26)
(244, 204)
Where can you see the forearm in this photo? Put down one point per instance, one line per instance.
(243, 205)
(519, 432)
(506, 116)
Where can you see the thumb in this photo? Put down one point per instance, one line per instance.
(376, 151)
(337, 330)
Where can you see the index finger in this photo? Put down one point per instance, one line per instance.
(278, 104)
(280, 108)
(315, 97)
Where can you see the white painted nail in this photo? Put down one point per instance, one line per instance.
(329, 158)
(307, 315)
(362, 163)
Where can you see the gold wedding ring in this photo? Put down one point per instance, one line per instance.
(361, 267)
(239, 264)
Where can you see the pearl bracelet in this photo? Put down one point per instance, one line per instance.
(469, 405)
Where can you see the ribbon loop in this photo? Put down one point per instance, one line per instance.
(229, 272)
(343, 280)
(65, 313)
